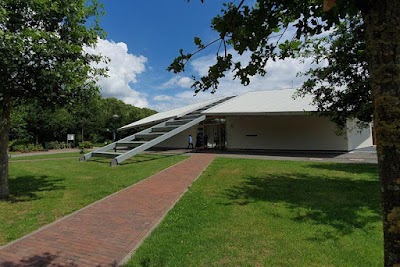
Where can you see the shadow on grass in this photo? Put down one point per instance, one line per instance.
(344, 204)
(365, 168)
(26, 188)
(46, 259)
(136, 159)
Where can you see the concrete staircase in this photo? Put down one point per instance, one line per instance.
(134, 144)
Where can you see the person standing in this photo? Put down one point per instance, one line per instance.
(190, 141)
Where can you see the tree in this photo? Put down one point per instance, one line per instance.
(19, 125)
(44, 123)
(86, 111)
(88, 114)
(371, 76)
(126, 114)
(344, 51)
(42, 57)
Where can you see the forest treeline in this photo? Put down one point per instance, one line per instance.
(34, 126)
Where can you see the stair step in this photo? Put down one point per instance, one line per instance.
(106, 154)
(163, 128)
(131, 143)
(189, 116)
(131, 148)
(149, 135)
(177, 122)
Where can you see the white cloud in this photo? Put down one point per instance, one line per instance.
(178, 81)
(162, 98)
(123, 69)
(281, 74)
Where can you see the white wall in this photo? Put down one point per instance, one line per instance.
(358, 138)
(286, 132)
(180, 140)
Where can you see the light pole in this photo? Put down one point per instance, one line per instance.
(114, 118)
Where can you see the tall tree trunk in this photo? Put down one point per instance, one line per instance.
(4, 134)
(382, 20)
(82, 134)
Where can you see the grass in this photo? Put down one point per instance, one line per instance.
(44, 189)
(272, 213)
(47, 156)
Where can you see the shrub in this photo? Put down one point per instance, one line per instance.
(24, 148)
(18, 144)
(54, 145)
(58, 145)
(85, 144)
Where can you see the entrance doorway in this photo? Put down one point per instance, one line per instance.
(214, 133)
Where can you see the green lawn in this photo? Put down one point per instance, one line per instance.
(44, 189)
(46, 156)
(272, 213)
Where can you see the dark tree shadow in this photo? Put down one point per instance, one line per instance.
(277, 153)
(136, 159)
(26, 188)
(38, 260)
(344, 204)
(44, 260)
(144, 158)
(352, 168)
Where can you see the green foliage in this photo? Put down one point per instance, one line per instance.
(34, 122)
(58, 145)
(261, 31)
(347, 68)
(43, 58)
(42, 48)
(85, 145)
(24, 148)
(19, 124)
(198, 42)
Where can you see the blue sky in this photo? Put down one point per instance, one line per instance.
(143, 37)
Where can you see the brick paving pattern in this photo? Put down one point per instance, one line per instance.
(104, 233)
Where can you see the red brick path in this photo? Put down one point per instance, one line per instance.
(106, 232)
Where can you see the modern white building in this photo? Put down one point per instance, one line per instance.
(261, 120)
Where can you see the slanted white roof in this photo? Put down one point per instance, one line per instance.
(263, 102)
(252, 103)
(158, 117)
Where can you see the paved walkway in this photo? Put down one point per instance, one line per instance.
(108, 231)
(367, 155)
(349, 157)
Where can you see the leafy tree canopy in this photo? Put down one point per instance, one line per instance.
(336, 38)
(42, 58)
(33, 122)
(41, 46)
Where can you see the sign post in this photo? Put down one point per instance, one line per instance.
(71, 137)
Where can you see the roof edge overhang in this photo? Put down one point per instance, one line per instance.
(286, 113)
(123, 128)
(177, 114)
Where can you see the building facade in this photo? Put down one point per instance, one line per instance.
(266, 120)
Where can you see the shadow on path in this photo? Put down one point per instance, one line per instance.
(44, 260)
(38, 260)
